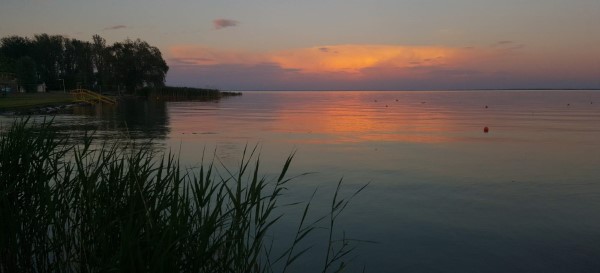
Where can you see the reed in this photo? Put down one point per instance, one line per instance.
(124, 207)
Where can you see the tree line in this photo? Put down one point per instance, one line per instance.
(61, 63)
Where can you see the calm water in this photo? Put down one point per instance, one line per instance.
(444, 196)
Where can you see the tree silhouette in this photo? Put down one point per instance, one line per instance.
(26, 73)
(94, 65)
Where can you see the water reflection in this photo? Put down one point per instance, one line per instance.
(359, 117)
(416, 117)
(445, 196)
(131, 120)
(138, 119)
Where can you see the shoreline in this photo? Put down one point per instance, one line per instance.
(48, 102)
(43, 109)
(58, 102)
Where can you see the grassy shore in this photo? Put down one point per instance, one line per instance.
(123, 207)
(13, 101)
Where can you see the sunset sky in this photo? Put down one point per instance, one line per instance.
(341, 44)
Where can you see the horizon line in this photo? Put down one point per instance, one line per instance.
(466, 89)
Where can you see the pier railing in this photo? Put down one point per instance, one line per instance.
(92, 97)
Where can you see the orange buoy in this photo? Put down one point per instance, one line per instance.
(486, 129)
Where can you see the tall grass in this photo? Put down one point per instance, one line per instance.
(98, 207)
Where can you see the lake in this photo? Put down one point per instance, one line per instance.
(444, 196)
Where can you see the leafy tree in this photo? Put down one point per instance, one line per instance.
(130, 64)
(6, 64)
(136, 64)
(78, 63)
(48, 53)
(26, 73)
(100, 60)
(12, 49)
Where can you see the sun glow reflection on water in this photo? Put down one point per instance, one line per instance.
(445, 196)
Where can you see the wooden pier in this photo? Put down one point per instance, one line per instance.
(88, 96)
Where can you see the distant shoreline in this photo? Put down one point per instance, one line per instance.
(409, 90)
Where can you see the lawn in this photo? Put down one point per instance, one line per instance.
(25, 100)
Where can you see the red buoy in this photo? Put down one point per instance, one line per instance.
(486, 129)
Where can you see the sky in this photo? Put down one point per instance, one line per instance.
(341, 44)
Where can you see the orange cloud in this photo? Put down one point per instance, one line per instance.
(337, 58)
(354, 58)
(504, 64)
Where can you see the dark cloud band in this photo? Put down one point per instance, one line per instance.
(115, 27)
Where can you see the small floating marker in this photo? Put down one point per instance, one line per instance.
(396, 99)
(486, 129)
(486, 107)
(386, 105)
(375, 100)
(423, 102)
(568, 104)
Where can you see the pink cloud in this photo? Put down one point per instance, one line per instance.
(223, 23)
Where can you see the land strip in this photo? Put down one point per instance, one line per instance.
(16, 101)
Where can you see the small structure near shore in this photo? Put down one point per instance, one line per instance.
(8, 83)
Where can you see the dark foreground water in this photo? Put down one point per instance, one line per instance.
(444, 196)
